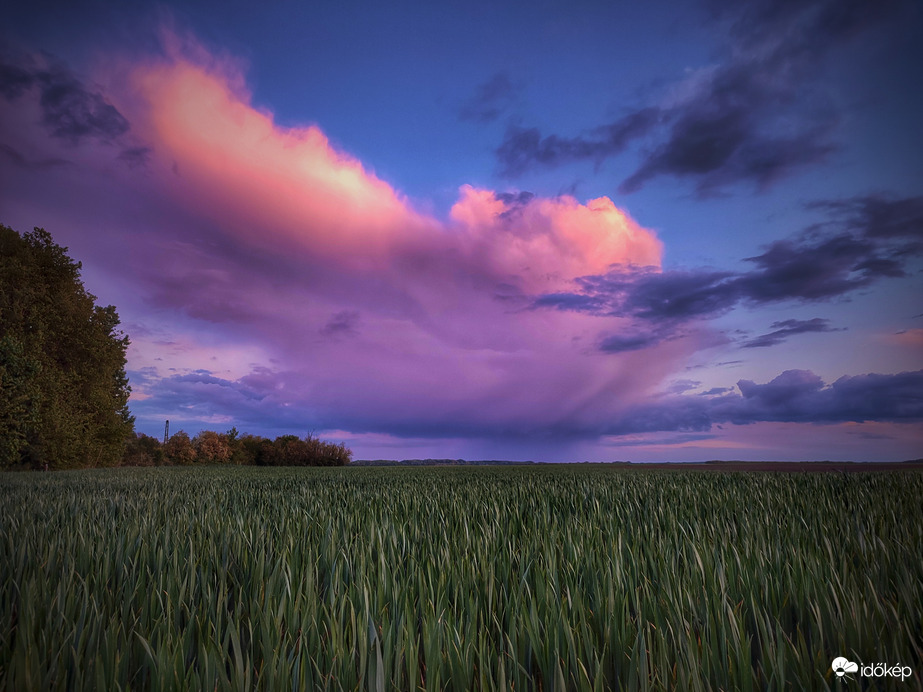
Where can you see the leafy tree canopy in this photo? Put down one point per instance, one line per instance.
(63, 388)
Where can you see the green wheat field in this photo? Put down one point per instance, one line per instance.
(487, 578)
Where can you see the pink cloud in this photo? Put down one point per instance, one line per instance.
(547, 242)
(241, 242)
(261, 182)
(290, 188)
(440, 330)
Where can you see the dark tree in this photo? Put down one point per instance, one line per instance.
(142, 450)
(63, 388)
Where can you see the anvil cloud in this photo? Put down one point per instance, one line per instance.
(373, 317)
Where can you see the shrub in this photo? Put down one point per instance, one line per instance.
(289, 450)
(326, 453)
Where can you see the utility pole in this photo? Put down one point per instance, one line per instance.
(166, 432)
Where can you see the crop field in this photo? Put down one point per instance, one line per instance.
(485, 578)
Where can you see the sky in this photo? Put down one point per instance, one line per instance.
(662, 231)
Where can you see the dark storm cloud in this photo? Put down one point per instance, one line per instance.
(800, 270)
(801, 396)
(725, 134)
(722, 146)
(489, 100)
(864, 239)
(876, 216)
(793, 396)
(788, 328)
(576, 302)
(70, 110)
(670, 296)
(205, 377)
(759, 116)
(797, 396)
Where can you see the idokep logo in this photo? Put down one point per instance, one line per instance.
(843, 667)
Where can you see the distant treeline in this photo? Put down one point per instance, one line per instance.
(209, 447)
(437, 462)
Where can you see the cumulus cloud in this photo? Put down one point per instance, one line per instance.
(544, 241)
(275, 186)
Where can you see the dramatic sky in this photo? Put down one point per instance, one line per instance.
(524, 230)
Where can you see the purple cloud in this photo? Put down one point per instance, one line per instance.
(795, 396)
(864, 240)
(786, 328)
(70, 110)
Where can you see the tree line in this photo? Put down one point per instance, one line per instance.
(63, 386)
(210, 447)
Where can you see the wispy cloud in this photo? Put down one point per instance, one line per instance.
(787, 328)
(489, 100)
(755, 117)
